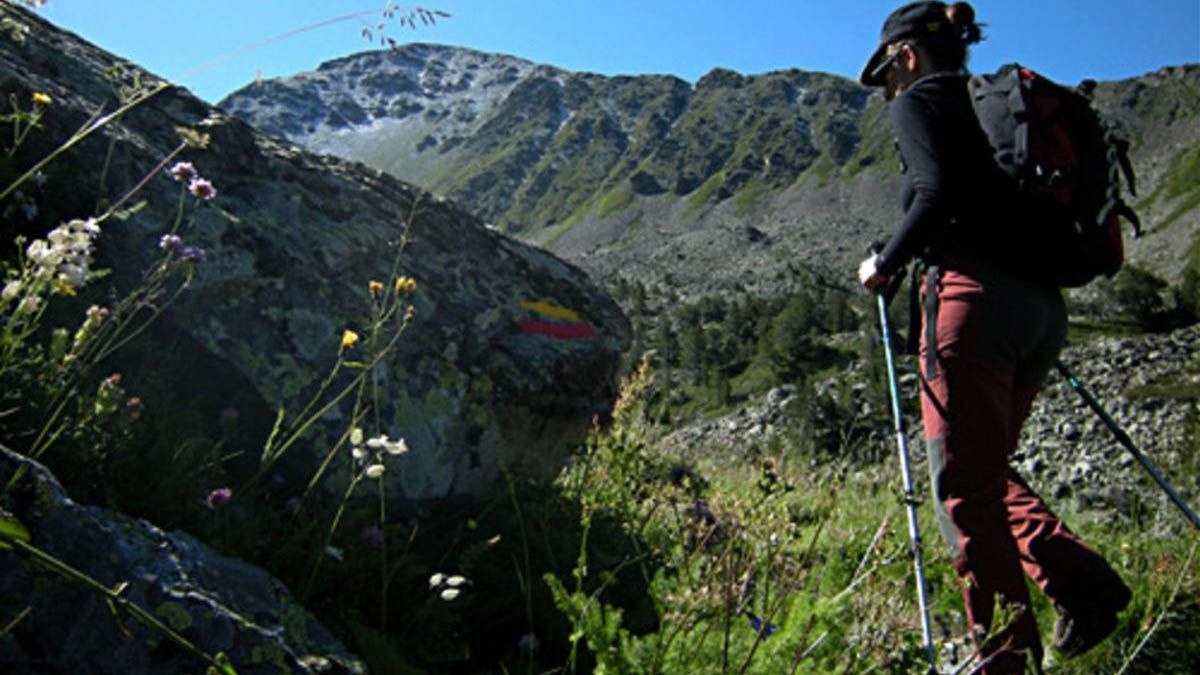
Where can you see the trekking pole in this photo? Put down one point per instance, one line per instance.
(1127, 442)
(910, 502)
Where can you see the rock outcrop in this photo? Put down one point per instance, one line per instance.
(218, 604)
(511, 351)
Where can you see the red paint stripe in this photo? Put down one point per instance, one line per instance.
(559, 331)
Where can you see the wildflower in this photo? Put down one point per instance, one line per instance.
(528, 642)
(40, 98)
(358, 454)
(11, 290)
(29, 305)
(170, 242)
(134, 407)
(72, 276)
(193, 254)
(349, 337)
(183, 172)
(64, 286)
(456, 581)
(765, 631)
(376, 287)
(202, 188)
(375, 471)
(218, 497)
(356, 436)
(381, 442)
(373, 536)
(450, 594)
(436, 580)
(93, 317)
(334, 552)
(39, 253)
(95, 314)
(192, 137)
(405, 284)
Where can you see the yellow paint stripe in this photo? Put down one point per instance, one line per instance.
(546, 309)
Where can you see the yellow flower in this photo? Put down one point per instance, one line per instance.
(404, 284)
(376, 287)
(42, 99)
(349, 337)
(64, 286)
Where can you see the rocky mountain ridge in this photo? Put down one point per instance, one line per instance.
(714, 185)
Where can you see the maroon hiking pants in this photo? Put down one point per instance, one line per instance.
(997, 338)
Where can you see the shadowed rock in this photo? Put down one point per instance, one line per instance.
(216, 603)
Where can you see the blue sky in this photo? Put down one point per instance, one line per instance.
(1065, 39)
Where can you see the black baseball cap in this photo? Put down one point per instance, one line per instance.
(914, 20)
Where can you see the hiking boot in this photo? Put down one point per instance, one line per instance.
(1092, 616)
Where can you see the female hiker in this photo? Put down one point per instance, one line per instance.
(988, 338)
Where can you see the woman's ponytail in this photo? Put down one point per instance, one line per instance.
(962, 17)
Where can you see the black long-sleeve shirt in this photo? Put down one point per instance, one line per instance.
(955, 197)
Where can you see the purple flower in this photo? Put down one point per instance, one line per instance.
(170, 242)
(201, 188)
(766, 631)
(193, 254)
(218, 497)
(528, 642)
(183, 172)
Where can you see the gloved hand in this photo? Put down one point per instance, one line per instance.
(871, 279)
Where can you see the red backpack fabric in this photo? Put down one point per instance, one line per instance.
(1066, 165)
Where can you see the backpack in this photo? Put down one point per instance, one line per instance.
(1067, 169)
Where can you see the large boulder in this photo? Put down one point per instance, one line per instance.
(511, 352)
(218, 604)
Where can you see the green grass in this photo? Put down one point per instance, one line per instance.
(702, 196)
(828, 548)
(615, 200)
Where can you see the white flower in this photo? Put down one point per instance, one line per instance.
(456, 581)
(90, 226)
(382, 442)
(334, 552)
(436, 580)
(358, 454)
(72, 275)
(374, 471)
(11, 290)
(356, 436)
(38, 251)
(450, 594)
(29, 305)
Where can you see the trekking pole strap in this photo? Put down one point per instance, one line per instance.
(1126, 441)
(932, 276)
